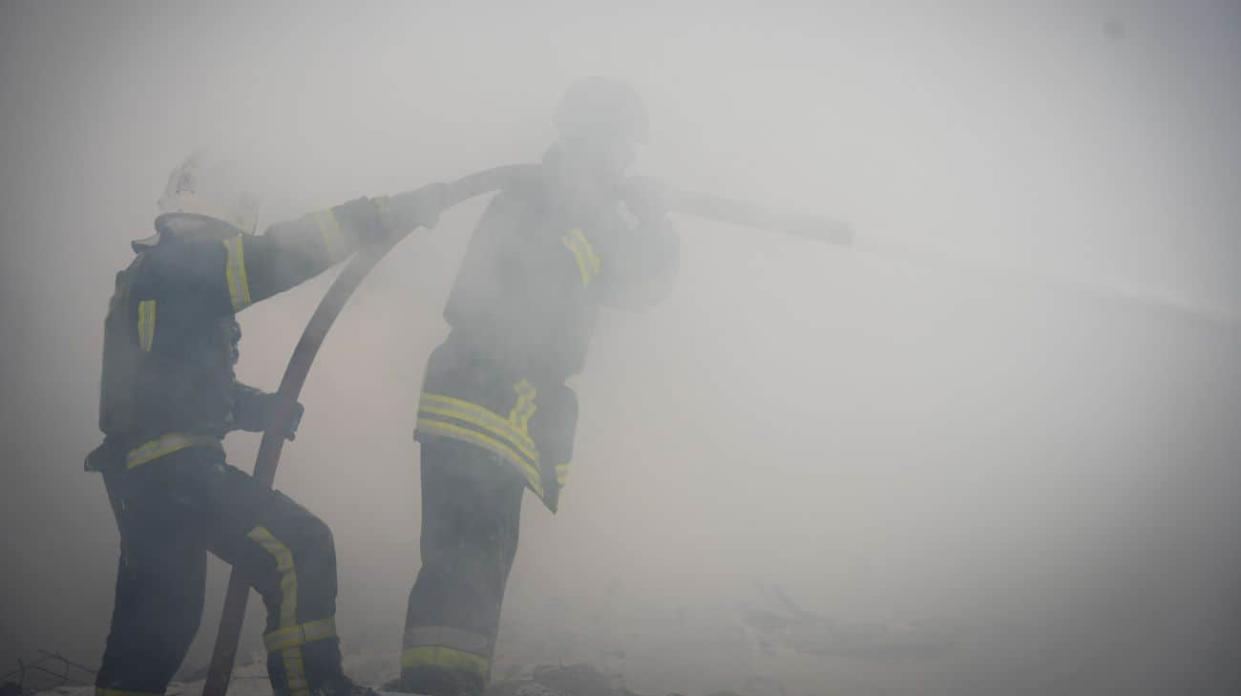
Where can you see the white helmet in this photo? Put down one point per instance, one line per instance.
(212, 190)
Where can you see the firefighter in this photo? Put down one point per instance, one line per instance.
(495, 416)
(169, 396)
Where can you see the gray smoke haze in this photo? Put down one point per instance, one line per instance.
(933, 441)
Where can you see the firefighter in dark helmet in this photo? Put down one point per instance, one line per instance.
(168, 397)
(495, 416)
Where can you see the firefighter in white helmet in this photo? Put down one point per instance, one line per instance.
(169, 396)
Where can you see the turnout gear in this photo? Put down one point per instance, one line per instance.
(495, 414)
(470, 515)
(170, 515)
(168, 397)
(171, 337)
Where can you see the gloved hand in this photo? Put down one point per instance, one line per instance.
(412, 209)
(255, 411)
(646, 197)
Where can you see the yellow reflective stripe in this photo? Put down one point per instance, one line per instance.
(488, 420)
(235, 273)
(295, 672)
(288, 574)
(165, 445)
(514, 440)
(100, 691)
(456, 432)
(333, 240)
(448, 637)
(146, 324)
(562, 473)
(309, 632)
(588, 262)
(525, 406)
(294, 668)
(445, 658)
(494, 420)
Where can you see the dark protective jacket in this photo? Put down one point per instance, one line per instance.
(171, 336)
(522, 311)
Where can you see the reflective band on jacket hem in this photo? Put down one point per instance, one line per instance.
(100, 691)
(510, 430)
(456, 432)
(165, 445)
(525, 407)
(301, 634)
(444, 658)
(562, 474)
(235, 273)
(291, 657)
(146, 324)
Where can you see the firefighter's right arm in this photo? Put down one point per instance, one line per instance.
(292, 252)
(254, 410)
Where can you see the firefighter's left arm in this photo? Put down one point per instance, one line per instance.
(640, 265)
(289, 253)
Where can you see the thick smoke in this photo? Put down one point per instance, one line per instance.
(972, 455)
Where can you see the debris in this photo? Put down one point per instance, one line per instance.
(48, 671)
(808, 633)
(573, 680)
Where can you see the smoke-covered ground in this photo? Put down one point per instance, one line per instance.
(940, 469)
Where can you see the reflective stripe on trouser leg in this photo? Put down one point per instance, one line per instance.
(471, 512)
(301, 634)
(441, 657)
(446, 647)
(291, 656)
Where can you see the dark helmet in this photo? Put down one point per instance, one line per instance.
(603, 108)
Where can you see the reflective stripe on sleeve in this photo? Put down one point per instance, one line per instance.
(146, 324)
(235, 273)
(165, 445)
(588, 262)
(333, 237)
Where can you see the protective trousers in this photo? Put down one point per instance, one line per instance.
(471, 508)
(173, 510)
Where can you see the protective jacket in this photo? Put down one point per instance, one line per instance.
(495, 414)
(522, 312)
(171, 335)
(168, 397)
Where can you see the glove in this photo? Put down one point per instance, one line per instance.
(646, 197)
(255, 411)
(407, 211)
